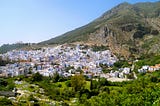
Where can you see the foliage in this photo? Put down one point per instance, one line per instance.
(155, 32)
(56, 77)
(143, 91)
(8, 47)
(136, 93)
(5, 102)
(98, 84)
(68, 83)
(37, 77)
(80, 34)
(120, 27)
(141, 31)
(78, 82)
(148, 60)
(98, 91)
(32, 98)
(58, 91)
(6, 84)
(120, 64)
(104, 68)
(99, 48)
(3, 82)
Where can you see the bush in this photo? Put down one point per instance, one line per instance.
(5, 102)
(37, 77)
(59, 85)
(3, 82)
(154, 79)
(78, 82)
(99, 48)
(155, 32)
(31, 98)
(68, 83)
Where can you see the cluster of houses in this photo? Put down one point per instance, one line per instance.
(16, 69)
(62, 59)
(147, 68)
(121, 73)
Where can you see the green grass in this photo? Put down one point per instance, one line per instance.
(63, 85)
(88, 84)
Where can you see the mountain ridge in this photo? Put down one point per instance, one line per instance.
(126, 29)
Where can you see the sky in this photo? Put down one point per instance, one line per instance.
(38, 20)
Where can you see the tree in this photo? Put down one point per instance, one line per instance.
(154, 79)
(78, 82)
(5, 102)
(83, 98)
(56, 77)
(68, 83)
(94, 84)
(3, 82)
(37, 77)
(118, 64)
(103, 82)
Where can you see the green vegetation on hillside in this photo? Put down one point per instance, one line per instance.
(136, 93)
(81, 91)
(99, 48)
(143, 91)
(79, 34)
(150, 60)
(5, 102)
(8, 47)
(130, 27)
(6, 84)
(127, 27)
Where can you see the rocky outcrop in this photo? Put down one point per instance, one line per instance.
(128, 30)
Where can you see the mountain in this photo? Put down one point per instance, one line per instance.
(8, 47)
(127, 29)
(25, 46)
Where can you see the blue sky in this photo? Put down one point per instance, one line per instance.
(38, 20)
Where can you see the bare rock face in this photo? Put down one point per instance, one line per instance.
(127, 29)
(108, 37)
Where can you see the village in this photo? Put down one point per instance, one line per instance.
(62, 59)
(66, 61)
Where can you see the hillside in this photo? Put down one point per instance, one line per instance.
(8, 47)
(25, 46)
(127, 29)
